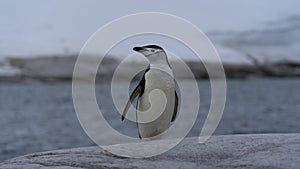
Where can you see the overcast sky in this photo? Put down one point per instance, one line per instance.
(42, 27)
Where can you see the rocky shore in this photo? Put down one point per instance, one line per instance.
(58, 68)
(228, 151)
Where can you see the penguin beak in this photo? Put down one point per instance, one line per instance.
(138, 49)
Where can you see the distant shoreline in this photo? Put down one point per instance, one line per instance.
(58, 68)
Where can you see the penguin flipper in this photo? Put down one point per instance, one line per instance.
(175, 107)
(139, 90)
(133, 95)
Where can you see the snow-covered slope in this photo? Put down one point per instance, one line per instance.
(279, 41)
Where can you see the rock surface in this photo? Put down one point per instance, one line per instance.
(229, 151)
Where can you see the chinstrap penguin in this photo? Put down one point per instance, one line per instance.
(157, 98)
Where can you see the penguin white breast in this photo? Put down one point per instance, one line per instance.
(156, 79)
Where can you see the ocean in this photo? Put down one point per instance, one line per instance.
(38, 116)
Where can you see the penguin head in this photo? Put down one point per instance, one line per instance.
(148, 50)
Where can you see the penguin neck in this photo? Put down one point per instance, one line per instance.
(158, 59)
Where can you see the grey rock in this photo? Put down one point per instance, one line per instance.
(229, 151)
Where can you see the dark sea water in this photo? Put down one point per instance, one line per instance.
(39, 116)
